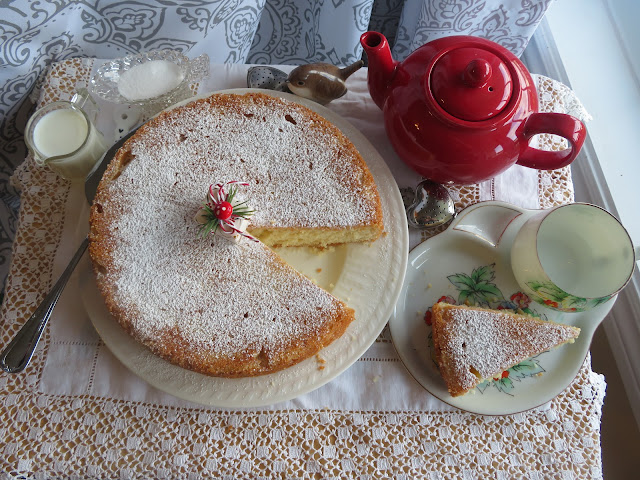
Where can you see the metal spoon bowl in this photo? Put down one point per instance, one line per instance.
(432, 206)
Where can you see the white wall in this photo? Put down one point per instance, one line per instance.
(598, 42)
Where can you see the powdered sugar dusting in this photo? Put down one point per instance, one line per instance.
(254, 305)
(277, 152)
(490, 342)
(231, 299)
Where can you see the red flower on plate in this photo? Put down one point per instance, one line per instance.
(551, 303)
(505, 374)
(447, 299)
(521, 300)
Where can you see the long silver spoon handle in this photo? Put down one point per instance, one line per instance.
(17, 354)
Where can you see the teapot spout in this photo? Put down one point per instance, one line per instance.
(382, 66)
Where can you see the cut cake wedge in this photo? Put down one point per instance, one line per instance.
(473, 344)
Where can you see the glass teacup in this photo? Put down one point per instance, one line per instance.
(572, 258)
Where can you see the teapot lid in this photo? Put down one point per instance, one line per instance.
(471, 83)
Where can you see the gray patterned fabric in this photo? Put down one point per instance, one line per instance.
(304, 31)
(510, 23)
(35, 34)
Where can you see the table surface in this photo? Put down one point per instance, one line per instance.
(51, 432)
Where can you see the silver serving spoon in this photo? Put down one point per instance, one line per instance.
(432, 206)
(17, 354)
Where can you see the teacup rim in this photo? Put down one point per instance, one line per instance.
(624, 229)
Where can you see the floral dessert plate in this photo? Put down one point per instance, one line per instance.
(470, 263)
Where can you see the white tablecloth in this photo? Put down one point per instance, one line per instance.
(78, 411)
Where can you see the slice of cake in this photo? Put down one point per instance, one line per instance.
(202, 302)
(474, 344)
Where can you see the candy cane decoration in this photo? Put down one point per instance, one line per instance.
(220, 215)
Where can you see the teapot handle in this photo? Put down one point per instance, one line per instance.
(566, 126)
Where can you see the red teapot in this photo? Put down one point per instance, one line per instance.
(462, 109)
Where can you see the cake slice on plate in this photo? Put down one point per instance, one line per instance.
(474, 344)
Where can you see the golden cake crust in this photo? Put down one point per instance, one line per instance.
(210, 305)
(473, 344)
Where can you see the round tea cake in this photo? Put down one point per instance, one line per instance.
(220, 306)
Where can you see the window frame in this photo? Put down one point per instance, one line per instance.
(622, 325)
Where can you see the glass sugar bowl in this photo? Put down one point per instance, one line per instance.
(153, 80)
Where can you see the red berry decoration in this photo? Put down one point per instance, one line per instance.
(223, 210)
(223, 214)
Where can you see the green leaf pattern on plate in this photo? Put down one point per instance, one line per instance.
(549, 294)
(477, 288)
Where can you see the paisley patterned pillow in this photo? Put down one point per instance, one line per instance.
(511, 23)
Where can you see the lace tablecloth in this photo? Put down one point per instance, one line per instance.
(76, 412)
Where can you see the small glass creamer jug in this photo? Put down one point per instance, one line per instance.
(62, 135)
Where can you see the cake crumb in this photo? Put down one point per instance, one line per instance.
(376, 378)
(318, 270)
(321, 361)
(428, 286)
